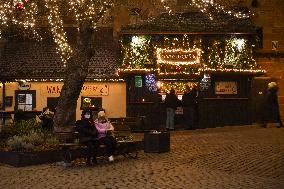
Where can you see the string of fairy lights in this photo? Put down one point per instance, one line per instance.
(186, 54)
(90, 11)
(209, 7)
(56, 26)
(11, 13)
(175, 60)
(4, 10)
(24, 14)
(83, 10)
(166, 6)
(206, 6)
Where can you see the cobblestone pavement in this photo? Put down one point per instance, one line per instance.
(229, 157)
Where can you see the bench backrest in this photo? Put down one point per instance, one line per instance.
(134, 123)
(122, 131)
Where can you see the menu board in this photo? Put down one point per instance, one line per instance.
(226, 87)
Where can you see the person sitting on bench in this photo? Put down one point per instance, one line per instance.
(87, 135)
(47, 119)
(105, 128)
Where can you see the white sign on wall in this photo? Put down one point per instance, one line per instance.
(226, 87)
(87, 90)
(274, 45)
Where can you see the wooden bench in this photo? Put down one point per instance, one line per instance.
(136, 124)
(72, 148)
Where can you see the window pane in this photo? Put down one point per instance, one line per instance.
(21, 98)
(29, 99)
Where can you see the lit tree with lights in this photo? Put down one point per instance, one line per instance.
(25, 18)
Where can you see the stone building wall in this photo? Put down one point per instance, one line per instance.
(269, 14)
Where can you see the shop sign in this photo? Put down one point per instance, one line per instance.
(91, 90)
(178, 56)
(226, 87)
(274, 45)
(138, 81)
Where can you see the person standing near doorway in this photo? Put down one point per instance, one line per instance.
(171, 102)
(189, 106)
(272, 105)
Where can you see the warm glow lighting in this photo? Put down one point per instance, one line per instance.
(159, 84)
(240, 43)
(206, 6)
(24, 15)
(178, 56)
(136, 41)
(62, 80)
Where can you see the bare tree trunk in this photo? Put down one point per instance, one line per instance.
(77, 70)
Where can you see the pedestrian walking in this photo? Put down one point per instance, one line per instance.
(272, 105)
(171, 102)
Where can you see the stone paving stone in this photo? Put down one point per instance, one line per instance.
(236, 157)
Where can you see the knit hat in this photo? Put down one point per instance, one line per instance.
(86, 111)
(101, 114)
(272, 85)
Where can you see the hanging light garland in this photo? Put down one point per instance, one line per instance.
(166, 6)
(56, 25)
(23, 14)
(189, 55)
(4, 10)
(206, 6)
(209, 7)
(89, 11)
(179, 86)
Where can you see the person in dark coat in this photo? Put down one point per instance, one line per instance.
(272, 105)
(47, 119)
(189, 106)
(171, 102)
(87, 135)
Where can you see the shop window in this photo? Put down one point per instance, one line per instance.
(25, 100)
(94, 103)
